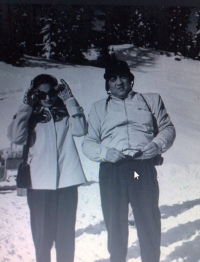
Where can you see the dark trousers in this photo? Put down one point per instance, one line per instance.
(52, 217)
(118, 188)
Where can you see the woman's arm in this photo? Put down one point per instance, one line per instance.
(18, 128)
(77, 118)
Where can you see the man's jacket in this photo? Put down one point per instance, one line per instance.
(53, 156)
(127, 125)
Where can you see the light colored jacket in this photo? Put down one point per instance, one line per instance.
(127, 125)
(53, 157)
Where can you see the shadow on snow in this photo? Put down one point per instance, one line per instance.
(187, 234)
(177, 209)
(134, 56)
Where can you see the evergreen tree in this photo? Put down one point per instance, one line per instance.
(32, 26)
(196, 49)
(114, 32)
(163, 32)
(12, 42)
(66, 32)
(81, 29)
(49, 30)
(178, 28)
(137, 26)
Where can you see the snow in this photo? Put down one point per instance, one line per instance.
(179, 177)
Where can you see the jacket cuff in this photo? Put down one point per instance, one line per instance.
(159, 144)
(73, 107)
(103, 153)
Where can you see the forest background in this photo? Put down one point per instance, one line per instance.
(64, 32)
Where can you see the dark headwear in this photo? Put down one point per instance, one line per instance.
(117, 67)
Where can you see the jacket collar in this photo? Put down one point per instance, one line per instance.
(131, 94)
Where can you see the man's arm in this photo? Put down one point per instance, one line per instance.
(91, 145)
(166, 130)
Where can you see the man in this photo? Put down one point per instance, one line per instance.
(127, 132)
(56, 171)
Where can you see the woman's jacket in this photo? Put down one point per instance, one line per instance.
(53, 156)
(127, 125)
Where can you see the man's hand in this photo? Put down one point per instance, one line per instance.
(113, 155)
(150, 150)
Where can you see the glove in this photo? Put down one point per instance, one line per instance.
(64, 91)
(30, 96)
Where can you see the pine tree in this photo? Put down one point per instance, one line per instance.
(48, 30)
(163, 33)
(66, 32)
(12, 42)
(178, 25)
(196, 49)
(81, 28)
(137, 26)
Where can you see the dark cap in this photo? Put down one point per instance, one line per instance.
(117, 67)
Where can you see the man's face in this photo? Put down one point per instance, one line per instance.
(120, 85)
(47, 95)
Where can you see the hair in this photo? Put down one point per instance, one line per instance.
(44, 79)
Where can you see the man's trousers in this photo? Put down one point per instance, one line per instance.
(52, 217)
(119, 186)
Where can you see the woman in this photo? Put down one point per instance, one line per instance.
(55, 117)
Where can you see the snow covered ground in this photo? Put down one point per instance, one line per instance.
(179, 177)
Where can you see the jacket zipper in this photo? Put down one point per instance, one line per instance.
(128, 139)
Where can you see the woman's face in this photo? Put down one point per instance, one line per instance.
(47, 95)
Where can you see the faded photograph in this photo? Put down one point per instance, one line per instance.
(112, 94)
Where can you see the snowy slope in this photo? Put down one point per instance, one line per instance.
(179, 177)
